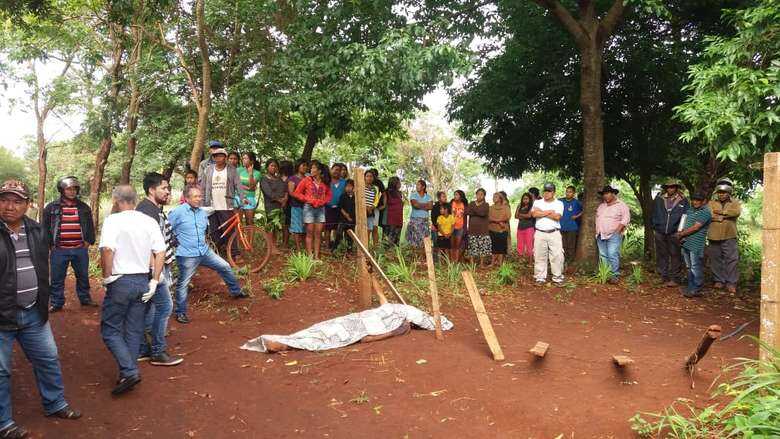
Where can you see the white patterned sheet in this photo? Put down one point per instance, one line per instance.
(348, 329)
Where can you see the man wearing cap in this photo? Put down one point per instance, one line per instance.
(693, 236)
(548, 245)
(723, 250)
(71, 231)
(213, 146)
(668, 209)
(220, 185)
(24, 302)
(612, 218)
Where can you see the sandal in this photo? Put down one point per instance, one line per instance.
(13, 431)
(66, 413)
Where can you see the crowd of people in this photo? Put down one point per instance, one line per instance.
(140, 242)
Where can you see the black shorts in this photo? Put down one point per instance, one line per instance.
(443, 242)
(499, 242)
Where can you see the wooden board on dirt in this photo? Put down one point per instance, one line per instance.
(622, 360)
(482, 317)
(540, 349)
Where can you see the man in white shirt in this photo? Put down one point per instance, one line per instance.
(127, 244)
(548, 246)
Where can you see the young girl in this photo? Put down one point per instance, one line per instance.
(371, 194)
(347, 214)
(249, 177)
(394, 211)
(499, 217)
(479, 238)
(444, 223)
(380, 207)
(418, 227)
(274, 191)
(441, 198)
(314, 192)
(232, 159)
(296, 206)
(458, 208)
(190, 179)
(525, 227)
(286, 170)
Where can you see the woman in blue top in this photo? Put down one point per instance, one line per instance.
(419, 227)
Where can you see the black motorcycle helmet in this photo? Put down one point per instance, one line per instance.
(67, 182)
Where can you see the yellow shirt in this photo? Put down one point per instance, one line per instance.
(445, 223)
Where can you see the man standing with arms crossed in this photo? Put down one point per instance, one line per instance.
(612, 218)
(723, 249)
(128, 241)
(548, 245)
(158, 193)
(24, 301)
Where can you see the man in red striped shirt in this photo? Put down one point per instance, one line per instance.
(71, 231)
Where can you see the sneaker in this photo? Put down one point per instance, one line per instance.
(13, 431)
(164, 359)
(692, 294)
(66, 413)
(540, 283)
(144, 357)
(125, 384)
(182, 318)
(90, 303)
(242, 295)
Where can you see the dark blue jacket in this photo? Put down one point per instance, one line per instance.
(666, 222)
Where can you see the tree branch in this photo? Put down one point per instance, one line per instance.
(183, 62)
(610, 21)
(565, 18)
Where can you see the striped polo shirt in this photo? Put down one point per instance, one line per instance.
(695, 242)
(70, 226)
(26, 278)
(371, 197)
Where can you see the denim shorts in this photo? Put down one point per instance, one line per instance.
(313, 215)
(371, 222)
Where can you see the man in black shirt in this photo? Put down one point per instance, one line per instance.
(158, 193)
(24, 312)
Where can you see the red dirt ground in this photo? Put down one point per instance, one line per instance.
(459, 391)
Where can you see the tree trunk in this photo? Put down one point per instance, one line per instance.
(42, 168)
(646, 203)
(204, 106)
(311, 142)
(592, 147)
(132, 141)
(101, 158)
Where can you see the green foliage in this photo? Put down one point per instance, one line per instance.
(750, 256)
(275, 288)
(448, 273)
(637, 277)
(400, 270)
(506, 274)
(269, 222)
(753, 412)
(603, 273)
(300, 266)
(633, 242)
(734, 89)
(12, 166)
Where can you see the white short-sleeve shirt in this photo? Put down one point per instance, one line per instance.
(133, 236)
(548, 224)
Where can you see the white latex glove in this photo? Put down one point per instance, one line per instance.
(152, 289)
(110, 279)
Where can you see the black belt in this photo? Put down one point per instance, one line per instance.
(547, 231)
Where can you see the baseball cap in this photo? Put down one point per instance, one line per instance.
(548, 187)
(608, 188)
(219, 151)
(15, 187)
(215, 144)
(699, 196)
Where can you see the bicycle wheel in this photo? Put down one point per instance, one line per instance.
(253, 253)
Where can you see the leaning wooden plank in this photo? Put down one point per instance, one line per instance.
(482, 317)
(374, 264)
(540, 349)
(434, 289)
(622, 360)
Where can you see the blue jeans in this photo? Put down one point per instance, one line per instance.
(78, 258)
(156, 320)
(694, 260)
(38, 344)
(609, 251)
(122, 320)
(187, 268)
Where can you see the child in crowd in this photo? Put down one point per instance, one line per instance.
(296, 211)
(444, 226)
(372, 196)
(458, 208)
(441, 198)
(525, 227)
(347, 211)
(190, 179)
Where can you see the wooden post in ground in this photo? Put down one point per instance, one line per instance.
(377, 269)
(434, 289)
(770, 265)
(364, 278)
(482, 317)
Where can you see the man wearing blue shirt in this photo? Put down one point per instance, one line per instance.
(570, 223)
(189, 223)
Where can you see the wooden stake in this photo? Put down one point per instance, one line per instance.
(540, 349)
(375, 265)
(482, 317)
(433, 288)
(770, 266)
(622, 360)
(712, 334)
(364, 280)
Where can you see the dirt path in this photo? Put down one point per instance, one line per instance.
(384, 389)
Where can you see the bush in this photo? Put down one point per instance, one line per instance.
(506, 274)
(754, 411)
(604, 273)
(750, 255)
(275, 288)
(300, 266)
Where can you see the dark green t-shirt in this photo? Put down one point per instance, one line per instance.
(696, 241)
